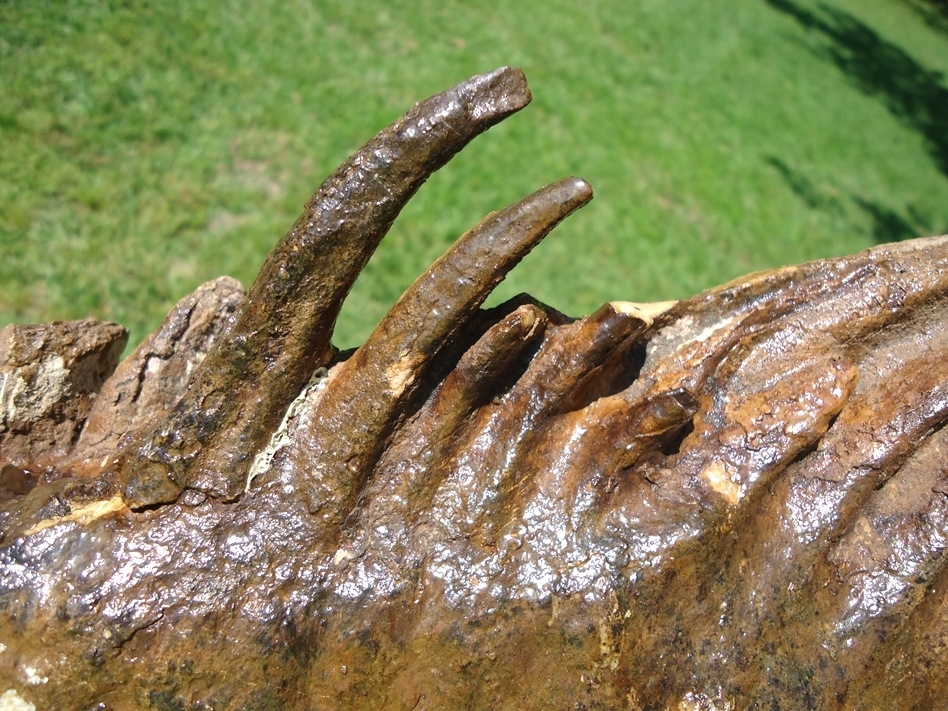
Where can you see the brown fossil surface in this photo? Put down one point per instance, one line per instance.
(735, 501)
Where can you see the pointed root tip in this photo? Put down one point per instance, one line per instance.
(577, 190)
(561, 198)
(498, 93)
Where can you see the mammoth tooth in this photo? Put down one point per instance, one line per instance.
(738, 500)
(282, 331)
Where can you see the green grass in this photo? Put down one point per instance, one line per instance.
(148, 147)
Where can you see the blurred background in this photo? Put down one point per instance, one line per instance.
(147, 147)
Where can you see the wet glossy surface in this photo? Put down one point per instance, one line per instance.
(736, 501)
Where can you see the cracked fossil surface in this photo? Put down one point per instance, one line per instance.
(739, 500)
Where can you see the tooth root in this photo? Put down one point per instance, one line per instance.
(283, 329)
(412, 468)
(359, 408)
(486, 362)
(566, 372)
(556, 380)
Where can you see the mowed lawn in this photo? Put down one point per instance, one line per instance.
(149, 147)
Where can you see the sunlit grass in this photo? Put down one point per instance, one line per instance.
(150, 147)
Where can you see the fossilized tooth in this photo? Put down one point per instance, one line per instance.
(736, 500)
(282, 332)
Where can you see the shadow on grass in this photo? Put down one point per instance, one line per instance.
(933, 12)
(803, 187)
(912, 93)
(888, 224)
